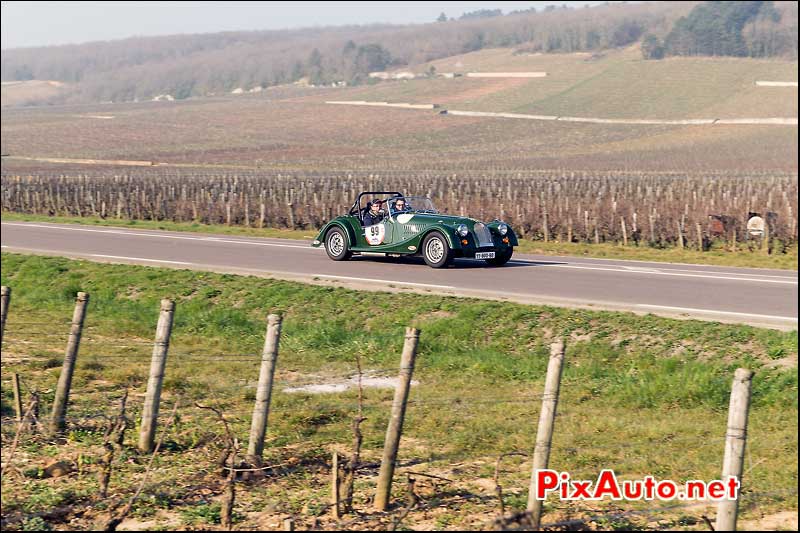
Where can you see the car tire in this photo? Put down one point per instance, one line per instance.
(336, 245)
(436, 250)
(501, 258)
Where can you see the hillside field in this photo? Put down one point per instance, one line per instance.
(292, 128)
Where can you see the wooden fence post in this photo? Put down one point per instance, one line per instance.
(544, 433)
(152, 398)
(258, 426)
(17, 397)
(288, 524)
(395, 429)
(58, 421)
(5, 299)
(335, 508)
(735, 442)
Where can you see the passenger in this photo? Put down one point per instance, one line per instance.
(374, 214)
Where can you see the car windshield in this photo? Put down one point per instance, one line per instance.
(412, 204)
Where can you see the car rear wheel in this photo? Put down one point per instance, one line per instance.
(501, 258)
(336, 245)
(436, 251)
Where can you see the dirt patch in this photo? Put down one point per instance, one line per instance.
(162, 519)
(370, 380)
(482, 88)
(782, 521)
(783, 363)
(436, 315)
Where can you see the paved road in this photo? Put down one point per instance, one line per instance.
(754, 296)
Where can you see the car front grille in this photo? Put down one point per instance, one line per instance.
(483, 235)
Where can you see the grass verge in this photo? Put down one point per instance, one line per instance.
(745, 256)
(641, 395)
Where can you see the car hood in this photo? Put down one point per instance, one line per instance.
(426, 218)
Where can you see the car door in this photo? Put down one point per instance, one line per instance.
(379, 234)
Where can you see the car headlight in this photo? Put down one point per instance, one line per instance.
(503, 229)
(462, 230)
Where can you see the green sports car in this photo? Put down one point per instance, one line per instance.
(395, 225)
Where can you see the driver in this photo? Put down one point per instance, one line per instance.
(400, 205)
(374, 215)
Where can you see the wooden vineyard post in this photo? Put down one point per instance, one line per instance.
(699, 229)
(258, 426)
(395, 429)
(17, 397)
(735, 442)
(158, 362)
(5, 300)
(544, 433)
(624, 231)
(58, 420)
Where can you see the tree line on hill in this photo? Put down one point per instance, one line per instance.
(206, 64)
(739, 29)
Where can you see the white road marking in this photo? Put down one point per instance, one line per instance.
(655, 272)
(87, 256)
(387, 281)
(716, 312)
(159, 236)
(140, 259)
(642, 269)
(792, 275)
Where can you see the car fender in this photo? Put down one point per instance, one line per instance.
(446, 231)
(512, 237)
(348, 230)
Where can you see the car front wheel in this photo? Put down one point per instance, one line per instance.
(336, 245)
(436, 251)
(501, 258)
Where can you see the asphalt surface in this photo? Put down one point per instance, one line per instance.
(759, 297)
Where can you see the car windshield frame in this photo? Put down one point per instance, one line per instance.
(414, 204)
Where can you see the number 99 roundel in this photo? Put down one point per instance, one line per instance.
(375, 234)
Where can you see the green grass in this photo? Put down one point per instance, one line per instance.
(718, 255)
(642, 395)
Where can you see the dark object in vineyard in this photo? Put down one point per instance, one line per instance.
(720, 225)
(413, 226)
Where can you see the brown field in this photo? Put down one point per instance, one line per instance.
(16, 93)
(291, 127)
(261, 133)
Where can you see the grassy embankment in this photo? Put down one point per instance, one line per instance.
(642, 395)
(719, 255)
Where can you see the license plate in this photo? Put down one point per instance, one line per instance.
(484, 255)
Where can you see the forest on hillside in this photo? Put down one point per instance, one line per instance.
(205, 64)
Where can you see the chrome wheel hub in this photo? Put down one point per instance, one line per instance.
(336, 244)
(435, 250)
